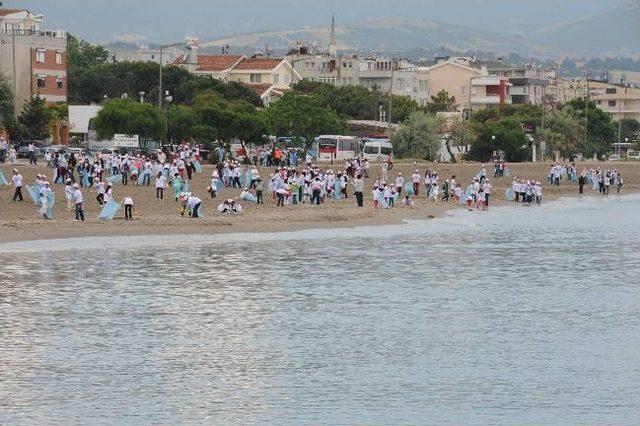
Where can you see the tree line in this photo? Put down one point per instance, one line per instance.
(204, 110)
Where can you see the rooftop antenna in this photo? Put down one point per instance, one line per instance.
(332, 40)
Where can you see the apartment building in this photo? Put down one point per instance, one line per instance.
(529, 83)
(33, 60)
(454, 76)
(619, 101)
(385, 74)
(490, 91)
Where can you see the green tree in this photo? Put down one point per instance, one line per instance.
(417, 137)
(250, 127)
(456, 132)
(630, 129)
(132, 118)
(35, 119)
(442, 102)
(403, 107)
(6, 100)
(204, 134)
(181, 121)
(562, 133)
(601, 132)
(352, 102)
(82, 59)
(299, 115)
(509, 138)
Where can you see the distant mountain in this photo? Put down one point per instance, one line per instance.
(612, 33)
(397, 34)
(615, 32)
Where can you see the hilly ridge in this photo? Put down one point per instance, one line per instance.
(611, 33)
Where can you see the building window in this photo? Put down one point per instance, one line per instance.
(41, 81)
(463, 90)
(59, 83)
(276, 78)
(58, 57)
(256, 78)
(612, 103)
(40, 55)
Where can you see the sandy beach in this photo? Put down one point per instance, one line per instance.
(21, 222)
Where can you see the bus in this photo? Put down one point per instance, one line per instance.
(377, 149)
(332, 147)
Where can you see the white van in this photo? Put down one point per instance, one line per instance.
(377, 149)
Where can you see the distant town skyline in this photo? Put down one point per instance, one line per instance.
(144, 21)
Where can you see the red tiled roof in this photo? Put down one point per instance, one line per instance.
(5, 12)
(259, 63)
(211, 62)
(260, 88)
(217, 62)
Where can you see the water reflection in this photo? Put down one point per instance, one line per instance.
(515, 317)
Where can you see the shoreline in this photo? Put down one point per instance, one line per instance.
(395, 227)
(161, 219)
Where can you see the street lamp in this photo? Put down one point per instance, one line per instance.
(626, 141)
(166, 46)
(493, 143)
(168, 99)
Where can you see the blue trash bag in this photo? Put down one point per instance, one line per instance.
(382, 202)
(336, 190)
(249, 197)
(51, 200)
(509, 194)
(34, 194)
(3, 179)
(109, 210)
(115, 179)
(408, 188)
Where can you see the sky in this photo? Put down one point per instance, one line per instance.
(165, 21)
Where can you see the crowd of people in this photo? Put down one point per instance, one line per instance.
(287, 184)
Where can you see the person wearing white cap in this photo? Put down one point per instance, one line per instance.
(17, 181)
(68, 194)
(193, 204)
(399, 184)
(415, 179)
(128, 207)
(44, 200)
(486, 187)
(78, 199)
(259, 190)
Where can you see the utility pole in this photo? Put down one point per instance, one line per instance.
(586, 115)
(391, 94)
(160, 92)
(15, 73)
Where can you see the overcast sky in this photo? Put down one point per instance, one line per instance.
(168, 20)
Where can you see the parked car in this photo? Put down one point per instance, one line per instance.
(23, 152)
(614, 157)
(633, 155)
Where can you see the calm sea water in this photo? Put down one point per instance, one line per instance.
(519, 316)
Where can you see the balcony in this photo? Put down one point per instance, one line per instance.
(488, 100)
(375, 74)
(46, 33)
(520, 91)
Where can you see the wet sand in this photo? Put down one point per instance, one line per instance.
(21, 222)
